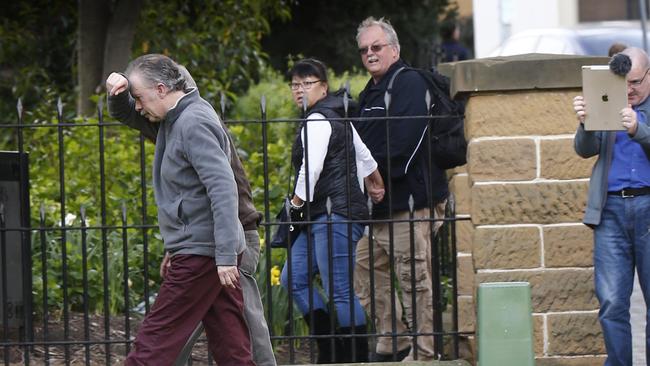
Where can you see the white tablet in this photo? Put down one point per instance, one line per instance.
(605, 95)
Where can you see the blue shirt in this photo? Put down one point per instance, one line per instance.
(453, 51)
(630, 166)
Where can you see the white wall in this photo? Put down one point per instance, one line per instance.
(487, 31)
(496, 20)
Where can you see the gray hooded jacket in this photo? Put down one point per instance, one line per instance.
(193, 182)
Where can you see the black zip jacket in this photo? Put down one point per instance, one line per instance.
(339, 174)
(409, 166)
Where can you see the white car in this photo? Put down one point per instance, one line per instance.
(584, 39)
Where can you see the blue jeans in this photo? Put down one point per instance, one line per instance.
(621, 243)
(343, 250)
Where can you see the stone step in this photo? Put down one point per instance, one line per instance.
(409, 363)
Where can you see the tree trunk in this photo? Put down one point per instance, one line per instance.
(93, 22)
(119, 38)
(105, 42)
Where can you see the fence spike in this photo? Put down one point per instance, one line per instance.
(2, 214)
(82, 212)
(42, 212)
(100, 109)
(263, 103)
(287, 208)
(346, 102)
(223, 105)
(304, 104)
(387, 100)
(411, 203)
(59, 108)
(347, 87)
(370, 204)
(328, 206)
(427, 99)
(124, 212)
(19, 109)
(451, 203)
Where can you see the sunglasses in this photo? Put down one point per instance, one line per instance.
(374, 48)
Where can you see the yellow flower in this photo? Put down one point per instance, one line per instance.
(275, 276)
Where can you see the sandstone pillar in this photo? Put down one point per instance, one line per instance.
(525, 190)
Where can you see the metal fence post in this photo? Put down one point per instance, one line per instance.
(15, 248)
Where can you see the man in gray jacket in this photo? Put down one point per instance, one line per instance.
(196, 194)
(618, 206)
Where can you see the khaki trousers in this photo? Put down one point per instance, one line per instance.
(420, 282)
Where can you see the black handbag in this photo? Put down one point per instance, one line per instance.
(285, 234)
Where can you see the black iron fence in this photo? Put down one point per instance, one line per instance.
(80, 249)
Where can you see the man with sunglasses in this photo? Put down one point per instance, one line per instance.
(618, 207)
(402, 162)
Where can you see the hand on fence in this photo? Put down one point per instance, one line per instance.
(228, 275)
(116, 83)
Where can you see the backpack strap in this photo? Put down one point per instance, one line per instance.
(437, 89)
(440, 93)
(431, 85)
(392, 79)
(389, 89)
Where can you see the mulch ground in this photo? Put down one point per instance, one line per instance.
(38, 354)
(77, 353)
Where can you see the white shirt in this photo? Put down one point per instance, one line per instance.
(319, 133)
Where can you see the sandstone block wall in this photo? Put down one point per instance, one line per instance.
(525, 190)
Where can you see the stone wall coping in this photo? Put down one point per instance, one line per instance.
(532, 71)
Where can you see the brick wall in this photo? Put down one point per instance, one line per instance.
(525, 190)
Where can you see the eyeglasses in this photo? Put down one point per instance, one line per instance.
(636, 83)
(374, 48)
(306, 85)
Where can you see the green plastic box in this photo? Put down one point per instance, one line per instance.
(505, 324)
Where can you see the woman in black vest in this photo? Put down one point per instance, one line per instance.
(331, 175)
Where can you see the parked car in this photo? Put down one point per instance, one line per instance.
(584, 39)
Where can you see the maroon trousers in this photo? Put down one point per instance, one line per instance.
(192, 292)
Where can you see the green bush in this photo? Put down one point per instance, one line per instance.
(94, 257)
(82, 188)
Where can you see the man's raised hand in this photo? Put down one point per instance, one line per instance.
(116, 83)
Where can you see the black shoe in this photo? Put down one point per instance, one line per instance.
(399, 356)
(344, 351)
(322, 327)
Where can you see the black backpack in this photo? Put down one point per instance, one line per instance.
(447, 136)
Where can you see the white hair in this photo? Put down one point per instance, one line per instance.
(389, 31)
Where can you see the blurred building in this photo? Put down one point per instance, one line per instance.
(496, 20)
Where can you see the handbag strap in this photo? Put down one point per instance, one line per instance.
(291, 177)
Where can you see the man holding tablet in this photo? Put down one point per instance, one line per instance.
(618, 206)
